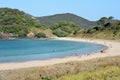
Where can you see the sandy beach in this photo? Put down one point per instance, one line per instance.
(113, 50)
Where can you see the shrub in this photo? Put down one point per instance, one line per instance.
(60, 33)
(40, 35)
(64, 27)
(90, 31)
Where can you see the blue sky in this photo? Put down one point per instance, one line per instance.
(89, 9)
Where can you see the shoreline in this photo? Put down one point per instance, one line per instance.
(113, 50)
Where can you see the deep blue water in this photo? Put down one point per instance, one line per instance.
(29, 49)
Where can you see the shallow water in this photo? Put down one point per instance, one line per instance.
(29, 49)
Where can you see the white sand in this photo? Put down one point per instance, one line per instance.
(113, 50)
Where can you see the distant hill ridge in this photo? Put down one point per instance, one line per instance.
(84, 23)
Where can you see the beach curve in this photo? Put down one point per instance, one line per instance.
(113, 50)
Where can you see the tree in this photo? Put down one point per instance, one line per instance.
(102, 21)
(111, 17)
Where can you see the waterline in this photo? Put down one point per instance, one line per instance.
(28, 49)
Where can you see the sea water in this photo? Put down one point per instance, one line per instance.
(30, 49)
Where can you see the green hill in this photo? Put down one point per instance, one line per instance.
(17, 22)
(84, 23)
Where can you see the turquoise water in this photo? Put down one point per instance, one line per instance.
(29, 49)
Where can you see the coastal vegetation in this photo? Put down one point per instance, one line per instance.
(106, 28)
(16, 23)
(107, 68)
(108, 73)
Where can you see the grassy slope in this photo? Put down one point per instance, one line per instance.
(98, 66)
(108, 73)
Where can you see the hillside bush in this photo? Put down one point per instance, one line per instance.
(60, 33)
(40, 35)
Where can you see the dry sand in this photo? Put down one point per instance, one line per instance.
(113, 50)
